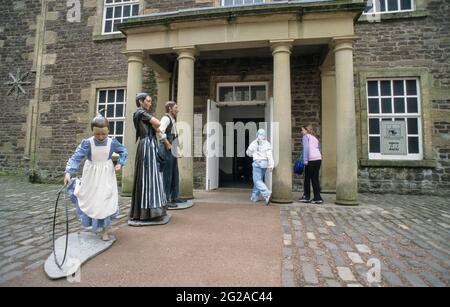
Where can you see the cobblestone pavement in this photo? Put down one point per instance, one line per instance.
(406, 237)
(26, 217)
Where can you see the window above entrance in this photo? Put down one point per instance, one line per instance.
(389, 6)
(245, 93)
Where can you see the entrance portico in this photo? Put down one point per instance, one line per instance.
(160, 39)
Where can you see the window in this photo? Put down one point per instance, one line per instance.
(111, 103)
(255, 92)
(241, 2)
(394, 101)
(388, 6)
(117, 11)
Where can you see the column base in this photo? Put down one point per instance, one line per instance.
(281, 201)
(346, 202)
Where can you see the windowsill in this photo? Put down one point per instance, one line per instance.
(104, 37)
(395, 16)
(399, 163)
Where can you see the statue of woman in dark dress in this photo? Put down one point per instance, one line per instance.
(148, 202)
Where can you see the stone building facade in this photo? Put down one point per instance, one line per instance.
(71, 63)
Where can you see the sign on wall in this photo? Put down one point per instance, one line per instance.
(393, 138)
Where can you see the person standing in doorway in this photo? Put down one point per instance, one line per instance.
(312, 159)
(261, 152)
(169, 146)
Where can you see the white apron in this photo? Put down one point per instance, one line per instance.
(96, 191)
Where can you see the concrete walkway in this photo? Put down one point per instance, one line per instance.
(225, 240)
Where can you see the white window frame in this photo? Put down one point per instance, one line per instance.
(114, 118)
(122, 3)
(406, 115)
(399, 10)
(239, 84)
(222, 3)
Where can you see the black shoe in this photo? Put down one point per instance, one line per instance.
(172, 205)
(320, 201)
(304, 199)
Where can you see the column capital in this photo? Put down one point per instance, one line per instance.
(162, 77)
(327, 71)
(342, 43)
(282, 45)
(186, 52)
(134, 55)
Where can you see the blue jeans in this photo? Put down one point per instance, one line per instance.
(259, 170)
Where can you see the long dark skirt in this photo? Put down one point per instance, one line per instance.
(148, 200)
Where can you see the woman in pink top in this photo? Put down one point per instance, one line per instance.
(312, 159)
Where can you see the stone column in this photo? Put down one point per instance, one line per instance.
(282, 174)
(134, 86)
(346, 153)
(185, 119)
(163, 85)
(328, 130)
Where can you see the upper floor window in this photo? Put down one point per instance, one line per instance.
(241, 2)
(388, 6)
(111, 103)
(394, 119)
(116, 11)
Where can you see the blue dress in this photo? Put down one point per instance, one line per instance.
(85, 151)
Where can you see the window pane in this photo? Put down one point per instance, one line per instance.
(412, 105)
(228, 2)
(117, 12)
(119, 127)
(109, 1)
(101, 109)
(111, 96)
(110, 111)
(135, 10)
(102, 97)
(385, 88)
(108, 26)
(398, 88)
(242, 93)
(238, 2)
(392, 5)
(119, 139)
(405, 4)
(382, 6)
(120, 96)
(374, 107)
(374, 144)
(119, 110)
(248, 1)
(258, 92)
(372, 88)
(111, 127)
(109, 12)
(126, 11)
(411, 87)
(399, 105)
(116, 24)
(386, 105)
(374, 126)
(413, 127)
(226, 93)
(413, 145)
